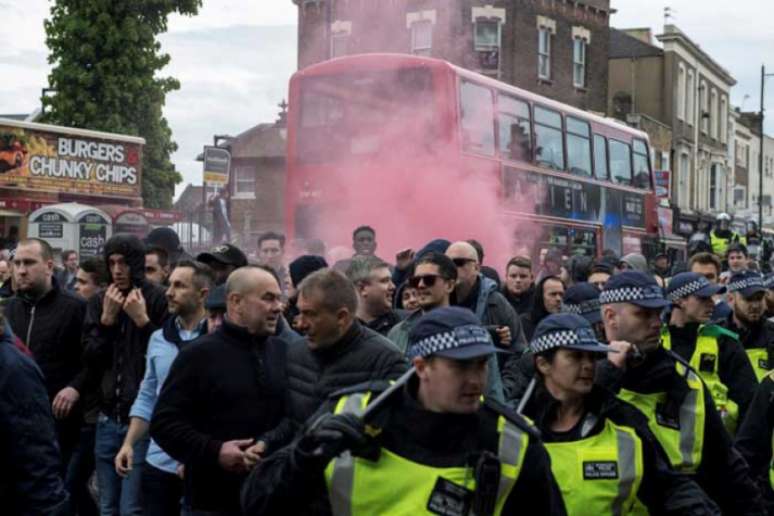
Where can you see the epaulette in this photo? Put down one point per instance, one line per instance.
(372, 386)
(714, 330)
(513, 417)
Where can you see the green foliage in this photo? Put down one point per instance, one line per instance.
(105, 59)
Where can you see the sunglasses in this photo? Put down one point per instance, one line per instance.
(462, 262)
(427, 279)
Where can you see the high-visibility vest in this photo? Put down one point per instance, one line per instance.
(706, 360)
(720, 245)
(682, 439)
(600, 474)
(759, 359)
(397, 486)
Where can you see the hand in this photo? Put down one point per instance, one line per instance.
(404, 258)
(181, 471)
(135, 308)
(254, 454)
(619, 359)
(64, 402)
(232, 455)
(330, 435)
(504, 333)
(123, 461)
(112, 304)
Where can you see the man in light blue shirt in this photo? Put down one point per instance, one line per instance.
(162, 487)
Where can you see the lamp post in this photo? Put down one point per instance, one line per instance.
(764, 75)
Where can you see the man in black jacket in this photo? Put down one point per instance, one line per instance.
(224, 393)
(753, 440)
(338, 351)
(49, 321)
(548, 300)
(519, 287)
(118, 325)
(375, 290)
(30, 476)
(432, 446)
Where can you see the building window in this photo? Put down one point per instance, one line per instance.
(685, 174)
(339, 44)
(244, 181)
(579, 63)
(714, 186)
(723, 119)
(487, 44)
(680, 92)
(713, 114)
(739, 197)
(704, 103)
(515, 131)
(422, 38)
(690, 98)
(544, 53)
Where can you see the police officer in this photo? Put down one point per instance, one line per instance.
(429, 447)
(754, 439)
(603, 455)
(722, 235)
(679, 408)
(746, 295)
(713, 351)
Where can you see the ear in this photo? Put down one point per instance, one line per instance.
(203, 293)
(421, 366)
(342, 315)
(542, 365)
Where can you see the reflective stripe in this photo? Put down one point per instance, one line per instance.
(510, 450)
(627, 473)
(688, 417)
(343, 467)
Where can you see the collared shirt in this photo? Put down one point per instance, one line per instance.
(161, 353)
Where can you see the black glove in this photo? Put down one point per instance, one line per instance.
(330, 435)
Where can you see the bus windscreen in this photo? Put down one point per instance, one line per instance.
(365, 114)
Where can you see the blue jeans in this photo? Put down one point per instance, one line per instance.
(117, 496)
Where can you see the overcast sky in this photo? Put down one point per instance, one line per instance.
(235, 58)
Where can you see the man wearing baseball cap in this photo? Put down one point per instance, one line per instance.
(713, 352)
(223, 259)
(747, 297)
(426, 444)
(679, 408)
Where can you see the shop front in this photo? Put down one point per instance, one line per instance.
(71, 226)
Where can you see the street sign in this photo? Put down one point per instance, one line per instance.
(217, 163)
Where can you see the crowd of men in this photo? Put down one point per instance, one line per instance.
(148, 381)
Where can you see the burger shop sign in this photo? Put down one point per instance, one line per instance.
(59, 159)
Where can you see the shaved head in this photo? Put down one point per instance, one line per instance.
(245, 279)
(462, 250)
(253, 300)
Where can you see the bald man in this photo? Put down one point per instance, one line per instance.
(481, 296)
(224, 392)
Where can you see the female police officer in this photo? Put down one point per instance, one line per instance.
(604, 457)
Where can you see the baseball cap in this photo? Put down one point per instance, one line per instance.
(226, 254)
(583, 299)
(216, 299)
(633, 287)
(747, 283)
(691, 284)
(450, 332)
(569, 331)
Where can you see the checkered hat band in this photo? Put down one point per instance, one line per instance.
(460, 337)
(563, 338)
(584, 307)
(688, 289)
(630, 294)
(736, 286)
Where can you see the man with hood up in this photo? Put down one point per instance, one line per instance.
(549, 293)
(118, 325)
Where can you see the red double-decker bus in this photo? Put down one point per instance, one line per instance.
(564, 177)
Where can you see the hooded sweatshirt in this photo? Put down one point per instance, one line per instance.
(531, 319)
(116, 354)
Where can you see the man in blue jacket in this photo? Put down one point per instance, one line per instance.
(162, 488)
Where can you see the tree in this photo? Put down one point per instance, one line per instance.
(105, 56)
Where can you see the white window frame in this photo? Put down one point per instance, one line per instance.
(690, 98)
(579, 65)
(422, 43)
(240, 192)
(713, 112)
(723, 119)
(704, 106)
(544, 53)
(680, 92)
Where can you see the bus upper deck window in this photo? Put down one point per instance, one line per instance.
(477, 106)
(578, 146)
(549, 148)
(641, 165)
(600, 157)
(620, 162)
(515, 131)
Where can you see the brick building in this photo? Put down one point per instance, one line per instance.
(556, 48)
